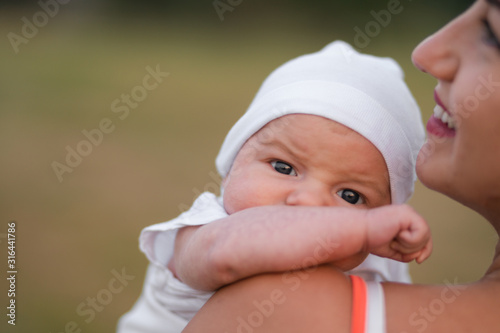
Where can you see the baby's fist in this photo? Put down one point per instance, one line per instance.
(398, 232)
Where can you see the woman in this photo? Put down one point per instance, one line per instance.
(460, 159)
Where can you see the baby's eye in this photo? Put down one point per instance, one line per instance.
(351, 196)
(490, 37)
(283, 168)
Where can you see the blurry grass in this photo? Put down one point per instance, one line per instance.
(72, 234)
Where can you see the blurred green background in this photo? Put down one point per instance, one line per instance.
(74, 235)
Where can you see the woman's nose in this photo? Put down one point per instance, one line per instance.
(438, 54)
(310, 194)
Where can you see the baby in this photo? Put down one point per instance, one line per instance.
(314, 172)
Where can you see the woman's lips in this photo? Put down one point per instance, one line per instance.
(438, 101)
(437, 127)
(441, 123)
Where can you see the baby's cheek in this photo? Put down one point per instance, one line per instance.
(228, 203)
(234, 201)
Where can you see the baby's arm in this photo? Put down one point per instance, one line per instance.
(282, 238)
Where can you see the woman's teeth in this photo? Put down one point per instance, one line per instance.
(444, 116)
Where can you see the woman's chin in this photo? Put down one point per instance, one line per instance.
(431, 171)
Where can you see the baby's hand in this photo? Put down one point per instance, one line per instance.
(399, 233)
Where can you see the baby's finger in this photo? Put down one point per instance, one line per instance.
(404, 247)
(425, 253)
(415, 236)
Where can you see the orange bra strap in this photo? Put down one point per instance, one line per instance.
(358, 315)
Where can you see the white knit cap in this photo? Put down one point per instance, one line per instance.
(363, 92)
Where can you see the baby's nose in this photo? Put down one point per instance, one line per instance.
(311, 194)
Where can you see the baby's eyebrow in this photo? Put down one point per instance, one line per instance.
(377, 187)
(276, 143)
(372, 182)
(283, 146)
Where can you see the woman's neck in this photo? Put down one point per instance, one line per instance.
(492, 214)
(494, 269)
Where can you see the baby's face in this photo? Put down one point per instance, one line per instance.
(309, 161)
